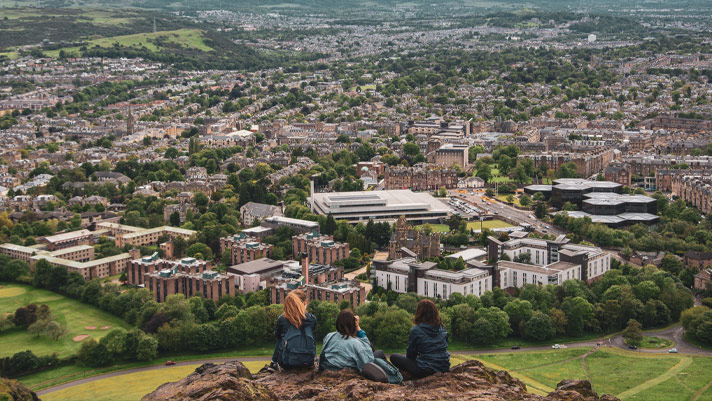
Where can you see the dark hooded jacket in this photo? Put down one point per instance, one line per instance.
(427, 344)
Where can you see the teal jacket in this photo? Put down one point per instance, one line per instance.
(352, 352)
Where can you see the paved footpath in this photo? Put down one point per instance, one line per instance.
(672, 333)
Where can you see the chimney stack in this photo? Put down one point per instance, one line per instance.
(305, 267)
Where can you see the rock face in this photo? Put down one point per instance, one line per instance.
(468, 381)
(13, 390)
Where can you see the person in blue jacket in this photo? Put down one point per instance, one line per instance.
(349, 348)
(427, 344)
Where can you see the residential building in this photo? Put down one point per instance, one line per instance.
(420, 177)
(68, 239)
(320, 249)
(252, 213)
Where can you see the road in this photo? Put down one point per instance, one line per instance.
(672, 333)
(496, 208)
(353, 274)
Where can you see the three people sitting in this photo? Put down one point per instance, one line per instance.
(349, 347)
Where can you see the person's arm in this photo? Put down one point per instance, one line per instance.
(278, 329)
(412, 350)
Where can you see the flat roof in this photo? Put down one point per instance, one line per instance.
(256, 266)
(468, 254)
(373, 203)
(176, 230)
(289, 220)
(68, 236)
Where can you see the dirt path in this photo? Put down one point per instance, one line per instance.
(682, 364)
(701, 391)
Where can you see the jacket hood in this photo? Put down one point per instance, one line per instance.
(430, 329)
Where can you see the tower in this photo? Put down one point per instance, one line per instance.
(154, 24)
(129, 122)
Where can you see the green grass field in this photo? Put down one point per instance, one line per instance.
(475, 225)
(437, 228)
(627, 375)
(189, 38)
(129, 387)
(73, 314)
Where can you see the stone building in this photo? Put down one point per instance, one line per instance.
(409, 242)
(319, 248)
(420, 178)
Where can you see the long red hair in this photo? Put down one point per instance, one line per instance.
(294, 309)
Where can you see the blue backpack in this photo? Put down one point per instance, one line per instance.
(298, 348)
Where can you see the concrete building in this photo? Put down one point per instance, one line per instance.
(137, 236)
(244, 249)
(319, 248)
(319, 282)
(449, 155)
(299, 226)
(545, 261)
(380, 206)
(425, 279)
(68, 240)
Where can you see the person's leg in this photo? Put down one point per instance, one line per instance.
(380, 355)
(406, 364)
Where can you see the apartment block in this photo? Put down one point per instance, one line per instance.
(420, 178)
(321, 249)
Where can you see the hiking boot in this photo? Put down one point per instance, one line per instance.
(274, 367)
(374, 372)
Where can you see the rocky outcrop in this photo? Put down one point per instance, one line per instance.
(13, 390)
(468, 381)
(228, 381)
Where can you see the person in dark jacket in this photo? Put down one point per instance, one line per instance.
(427, 344)
(294, 314)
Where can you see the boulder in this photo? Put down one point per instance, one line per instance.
(13, 390)
(470, 380)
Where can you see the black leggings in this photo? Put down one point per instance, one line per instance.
(406, 364)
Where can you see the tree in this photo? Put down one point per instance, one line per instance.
(633, 332)
(539, 327)
(525, 200)
(115, 341)
(518, 311)
(175, 219)
(147, 348)
(541, 210)
(484, 331)
(578, 310)
(94, 354)
(558, 320)
(462, 318)
(484, 171)
(55, 330)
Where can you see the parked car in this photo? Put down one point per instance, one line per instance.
(170, 363)
(556, 346)
(515, 347)
(632, 347)
(672, 351)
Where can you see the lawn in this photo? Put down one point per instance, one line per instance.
(475, 225)
(437, 228)
(71, 313)
(627, 375)
(503, 198)
(189, 38)
(129, 387)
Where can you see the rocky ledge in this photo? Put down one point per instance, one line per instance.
(13, 390)
(468, 381)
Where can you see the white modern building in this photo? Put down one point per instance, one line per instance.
(379, 205)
